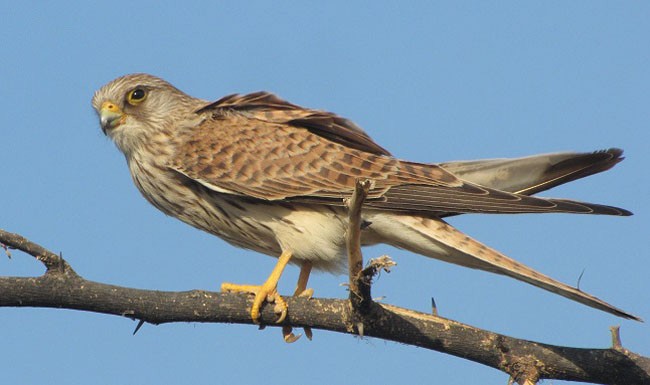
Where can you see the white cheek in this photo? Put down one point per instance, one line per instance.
(127, 137)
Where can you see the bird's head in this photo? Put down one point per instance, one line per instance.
(134, 109)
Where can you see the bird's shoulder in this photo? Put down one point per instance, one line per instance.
(263, 107)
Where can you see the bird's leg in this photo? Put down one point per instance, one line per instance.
(301, 291)
(268, 291)
(303, 278)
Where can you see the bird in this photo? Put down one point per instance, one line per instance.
(271, 176)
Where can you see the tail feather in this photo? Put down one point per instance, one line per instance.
(437, 239)
(532, 174)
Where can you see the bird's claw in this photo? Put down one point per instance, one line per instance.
(280, 307)
(307, 293)
(289, 337)
(262, 293)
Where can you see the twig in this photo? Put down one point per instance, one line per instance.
(53, 263)
(616, 338)
(359, 292)
(6, 249)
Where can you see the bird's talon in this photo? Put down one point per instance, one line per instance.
(280, 308)
(289, 337)
(307, 293)
(266, 292)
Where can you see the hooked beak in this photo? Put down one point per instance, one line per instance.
(110, 116)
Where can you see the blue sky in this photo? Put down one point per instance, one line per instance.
(430, 81)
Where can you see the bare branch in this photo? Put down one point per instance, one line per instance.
(51, 261)
(353, 236)
(360, 297)
(524, 360)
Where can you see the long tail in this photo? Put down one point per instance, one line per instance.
(532, 174)
(437, 239)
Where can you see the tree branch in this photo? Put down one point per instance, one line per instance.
(525, 361)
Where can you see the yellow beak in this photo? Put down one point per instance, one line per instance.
(110, 116)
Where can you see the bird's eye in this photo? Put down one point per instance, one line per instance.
(136, 96)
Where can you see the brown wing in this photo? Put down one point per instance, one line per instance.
(269, 108)
(240, 151)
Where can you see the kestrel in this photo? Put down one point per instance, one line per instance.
(271, 176)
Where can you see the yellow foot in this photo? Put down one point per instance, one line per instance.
(263, 293)
(301, 291)
(266, 292)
